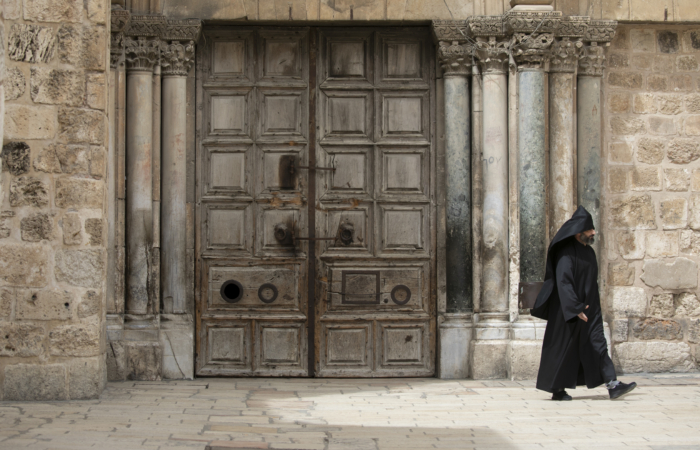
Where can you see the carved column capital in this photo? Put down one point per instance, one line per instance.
(493, 54)
(141, 53)
(177, 58)
(120, 19)
(531, 51)
(592, 57)
(564, 55)
(455, 59)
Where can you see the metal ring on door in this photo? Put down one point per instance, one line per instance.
(401, 289)
(262, 290)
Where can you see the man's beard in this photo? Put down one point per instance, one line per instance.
(588, 240)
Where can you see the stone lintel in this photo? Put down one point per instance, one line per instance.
(532, 21)
(451, 31)
(485, 26)
(601, 31)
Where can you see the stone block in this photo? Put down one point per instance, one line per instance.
(523, 358)
(645, 103)
(654, 357)
(683, 150)
(23, 340)
(11, 9)
(81, 126)
(618, 179)
(116, 361)
(657, 83)
(30, 122)
(620, 330)
(630, 244)
(643, 62)
(690, 242)
(677, 180)
(661, 305)
(687, 63)
(620, 274)
(694, 216)
(626, 80)
(86, 378)
(687, 305)
(143, 361)
(58, 11)
(54, 304)
(626, 126)
(93, 227)
(24, 265)
(96, 90)
(7, 299)
(628, 302)
(668, 41)
(621, 39)
(674, 213)
(618, 60)
(646, 179)
(28, 191)
(682, 273)
(692, 103)
(633, 211)
(661, 244)
(670, 104)
(694, 332)
(620, 152)
(31, 43)
(37, 227)
(81, 339)
(79, 193)
(695, 181)
(682, 82)
(178, 354)
(72, 229)
(619, 102)
(692, 125)
(97, 161)
(691, 41)
(643, 40)
(82, 46)
(73, 159)
(97, 11)
(57, 87)
(15, 84)
(651, 150)
(90, 304)
(489, 359)
(35, 382)
(6, 225)
(662, 126)
(47, 160)
(15, 158)
(80, 267)
(661, 329)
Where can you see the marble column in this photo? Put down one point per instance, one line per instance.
(141, 56)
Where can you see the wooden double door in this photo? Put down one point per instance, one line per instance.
(316, 202)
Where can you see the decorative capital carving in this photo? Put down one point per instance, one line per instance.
(532, 21)
(485, 26)
(592, 60)
(455, 59)
(120, 19)
(141, 53)
(116, 49)
(451, 30)
(600, 31)
(573, 26)
(182, 30)
(493, 54)
(531, 51)
(177, 58)
(564, 56)
(147, 25)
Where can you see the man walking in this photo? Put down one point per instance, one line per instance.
(574, 351)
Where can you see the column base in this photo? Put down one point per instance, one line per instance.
(455, 343)
(523, 359)
(488, 359)
(177, 342)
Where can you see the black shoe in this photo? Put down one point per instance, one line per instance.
(621, 389)
(561, 396)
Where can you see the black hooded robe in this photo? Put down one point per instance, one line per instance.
(574, 352)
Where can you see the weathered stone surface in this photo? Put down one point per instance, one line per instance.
(635, 211)
(73, 159)
(37, 227)
(690, 242)
(31, 43)
(670, 104)
(619, 102)
(81, 126)
(21, 339)
(90, 304)
(54, 304)
(668, 42)
(28, 191)
(14, 83)
(12, 9)
(489, 359)
(654, 357)
(620, 152)
(82, 339)
(643, 62)
(677, 180)
(7, 298)
(645, 103)
(682, 273)
(660, 244)
(23, 265)
(687, 63)
(662, 126)
(116, 361)
(692, 125)
(674, 213)
(523, 359)
(15, 158)
(72, 229)
(618, 60)
(662, 329)
(82, 46)
(691, 41)
(694, 331)
(682, 82)
(618, 179)
(661, 306)
(627, 80)
(620, 274)
(646, 179)
(692, 103)
(80, 267)
(687, 305)
(47, 161)
(53, 10)
(34, 382)
(643, 40)
(6, 223)
(695, 181)
(97, 162)
(143, 360)
(683, 150)
(97, 11)
(96, 90)
(57, 87)
(628, 302)
(620, 330)
(30, 122)
(79, 193)
(657, 83)
(93, 227)
(86, 378)
(630, 244)
(694, 219)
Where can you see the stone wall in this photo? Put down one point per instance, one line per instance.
(652, 235)
(52, 199)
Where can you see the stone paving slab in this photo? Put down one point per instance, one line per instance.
(663, 413)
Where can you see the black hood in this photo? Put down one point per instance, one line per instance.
(581, 221)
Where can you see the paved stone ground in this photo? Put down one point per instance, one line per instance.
(663, 413)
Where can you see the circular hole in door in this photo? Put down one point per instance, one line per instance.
(267, 293)
(231, 291)
(401, 294)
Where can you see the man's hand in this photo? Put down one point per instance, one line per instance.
(582, 316)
